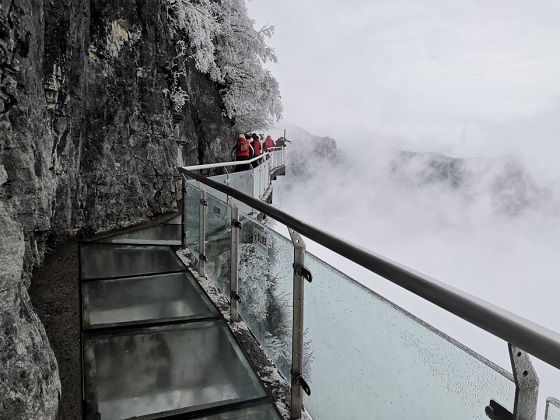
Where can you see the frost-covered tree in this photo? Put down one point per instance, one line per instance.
(223, 43)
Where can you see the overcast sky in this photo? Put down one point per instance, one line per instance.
(464, 77)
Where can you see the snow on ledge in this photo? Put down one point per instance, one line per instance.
(267, 371)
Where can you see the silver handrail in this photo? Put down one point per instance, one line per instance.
(231, 163)
(533, 338)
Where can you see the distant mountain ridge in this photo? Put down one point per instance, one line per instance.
(303, 145)
(506, 182)
(503, 183)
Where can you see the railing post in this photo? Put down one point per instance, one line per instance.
(526, 385)
(261, 180)
(253, 182)
(202, 231)
(297, 382)
(268, 170)
(234, 278)
(184, 213)
(526, 389)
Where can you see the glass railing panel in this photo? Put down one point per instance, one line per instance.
(115, 260)
(164, 234)
(552, 409)
(145, 299)
(277, 158)
(192, 224)
(222, 179)
(242, 181)
(172, 369)
(369, 359)
(174, 220)
(218, 243)
(261, 176)
(256, 180)
(265, 287)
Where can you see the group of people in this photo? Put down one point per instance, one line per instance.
(249, 146)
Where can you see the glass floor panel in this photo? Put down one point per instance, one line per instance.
(166, 234)
(174, 221)
(106, 261)
(552, 409)
(184, 367)
(163, 297)
(266, 411)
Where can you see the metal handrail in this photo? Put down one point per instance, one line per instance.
(533, 338)
(231, 163)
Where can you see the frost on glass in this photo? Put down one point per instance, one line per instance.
(552, 409)
(218, 243)
(265, 287)
(373, 360)
(192, 223)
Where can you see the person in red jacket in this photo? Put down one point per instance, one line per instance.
(268, 144)
(243, 151)
(256, 143)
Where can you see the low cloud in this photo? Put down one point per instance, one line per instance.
(490, 227)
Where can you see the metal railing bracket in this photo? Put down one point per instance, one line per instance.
(303, 272)
(495, 411)
(299, 381)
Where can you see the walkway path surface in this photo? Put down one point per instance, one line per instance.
(54, 294)
(153, 340)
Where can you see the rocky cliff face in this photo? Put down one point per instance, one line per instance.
(98, 107)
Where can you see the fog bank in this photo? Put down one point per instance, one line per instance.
(487, 226)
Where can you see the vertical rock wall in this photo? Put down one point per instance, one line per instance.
(29, 382)
(98, 107)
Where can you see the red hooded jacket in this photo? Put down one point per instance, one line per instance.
(257, 147)
(268, 144)
(242, 148)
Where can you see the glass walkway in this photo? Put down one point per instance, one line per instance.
(155, 346)
(153, 343)
(347, 352)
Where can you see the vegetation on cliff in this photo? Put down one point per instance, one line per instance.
(220, 38)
